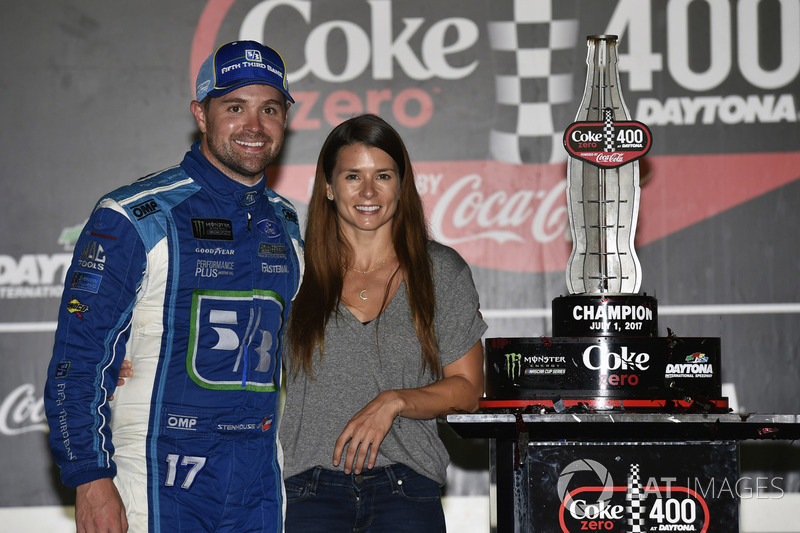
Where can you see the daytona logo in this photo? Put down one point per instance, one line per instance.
(689, 369)
(733, 109)
(33, 275)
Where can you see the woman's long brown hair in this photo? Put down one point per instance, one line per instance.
(328, 253)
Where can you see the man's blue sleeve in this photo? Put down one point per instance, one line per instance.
(99, 294)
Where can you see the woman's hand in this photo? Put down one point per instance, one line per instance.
(365, 432)
(459, 391)
(125, 371)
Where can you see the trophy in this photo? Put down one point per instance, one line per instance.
(605, 353)
(603, 180)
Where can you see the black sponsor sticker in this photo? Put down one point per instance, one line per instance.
(289, 215)
(212, 229)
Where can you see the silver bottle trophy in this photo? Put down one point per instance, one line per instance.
(604, 146)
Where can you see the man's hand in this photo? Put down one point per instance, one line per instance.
(99, 509)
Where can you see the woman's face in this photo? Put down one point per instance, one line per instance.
(365, 185)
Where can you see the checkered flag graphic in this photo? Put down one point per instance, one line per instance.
(634, 501)
(608, 129)
(533, 46)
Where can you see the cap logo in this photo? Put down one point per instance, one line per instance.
(241, 63)
(252, 55)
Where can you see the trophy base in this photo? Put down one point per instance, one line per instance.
(605, 354)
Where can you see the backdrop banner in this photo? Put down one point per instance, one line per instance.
(96, 94)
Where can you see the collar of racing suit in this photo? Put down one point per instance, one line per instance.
(210, 177)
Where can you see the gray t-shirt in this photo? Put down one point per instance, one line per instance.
(357, 366)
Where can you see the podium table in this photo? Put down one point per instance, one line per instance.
(618, 471)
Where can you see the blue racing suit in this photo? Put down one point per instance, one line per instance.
(189, 275)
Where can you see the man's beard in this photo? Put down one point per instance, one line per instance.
(253, 167)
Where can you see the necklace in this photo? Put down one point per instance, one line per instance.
(373, 269)
(361, 293)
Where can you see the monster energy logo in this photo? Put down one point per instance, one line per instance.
(215, 229)
(513, 365)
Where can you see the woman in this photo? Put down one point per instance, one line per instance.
(384, 337)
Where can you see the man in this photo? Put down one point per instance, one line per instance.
(189, 274)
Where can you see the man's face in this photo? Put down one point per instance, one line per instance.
(243, 130)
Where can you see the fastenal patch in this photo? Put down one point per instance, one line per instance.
(85, 281)
(267, 268)
(213, 229)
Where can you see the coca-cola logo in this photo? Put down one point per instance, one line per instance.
(22, 411)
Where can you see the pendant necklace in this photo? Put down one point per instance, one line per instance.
(365, 272)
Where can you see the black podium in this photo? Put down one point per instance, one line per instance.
(617, 471)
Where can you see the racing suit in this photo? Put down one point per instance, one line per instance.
(189, 275)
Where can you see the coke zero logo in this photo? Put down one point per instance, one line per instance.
(608, 144)
(601, 358)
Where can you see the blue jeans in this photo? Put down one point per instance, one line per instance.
(382, 500)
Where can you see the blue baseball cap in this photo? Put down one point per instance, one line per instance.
(241, 63)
